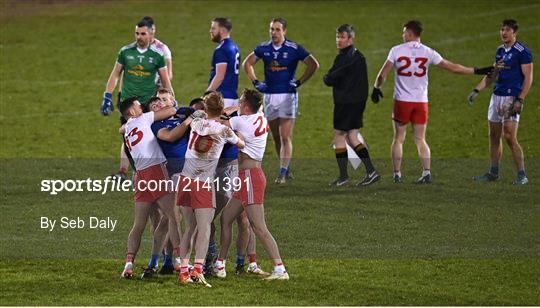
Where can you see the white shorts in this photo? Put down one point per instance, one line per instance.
(280, 105)
(498, 107)
(226, 172)
(228, 102)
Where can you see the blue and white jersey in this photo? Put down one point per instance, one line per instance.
(280, 64)
(175, 152)
(227, 52)
(510, 77)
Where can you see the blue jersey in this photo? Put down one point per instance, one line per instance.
(227, 52)
(510, 77)
(230, 151)
(280, 64)
(175, 152)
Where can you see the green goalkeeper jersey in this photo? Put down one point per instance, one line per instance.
(140, 69)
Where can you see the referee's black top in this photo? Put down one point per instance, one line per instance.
(348, 77)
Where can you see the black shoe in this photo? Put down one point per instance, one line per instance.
(239, 269)
(289, 175)
(369, 179)
(209, 264)
(426, 179)
(340, 182)
(397, 179)
(166, 270)
(488, 177)
(149, 272)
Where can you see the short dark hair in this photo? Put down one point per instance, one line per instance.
(346, 28)
(150, 101)
(124, 105)
(415, 27)
(281, 21)
(511, 23)
(196, 100)
(223, 22)
(253, 98)
(148, 22)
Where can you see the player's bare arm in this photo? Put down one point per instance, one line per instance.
(221, 69)
(164, 113)
(312, 66)
(168, 62)
(175, 133)
(460, 69)
(165, 79)
(527, 70)
(113, 78)
(377, 94)
(250, 60)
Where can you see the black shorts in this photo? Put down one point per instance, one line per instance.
(348, 116)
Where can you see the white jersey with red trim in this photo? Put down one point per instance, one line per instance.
(411, 61)
(166, 54)
(206, 141)
(142, 142)
(254, 128)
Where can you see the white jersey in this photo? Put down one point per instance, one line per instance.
(142, 142)
(254, 128)
(166, 54)
(411, 61)
(206, 141)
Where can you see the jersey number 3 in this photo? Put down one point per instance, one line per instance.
(421, 66)
(138, 137)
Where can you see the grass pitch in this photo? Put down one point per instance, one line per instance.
(454, 242)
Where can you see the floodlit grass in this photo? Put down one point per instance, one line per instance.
(454, 242)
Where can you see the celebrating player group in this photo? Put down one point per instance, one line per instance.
(206, 158)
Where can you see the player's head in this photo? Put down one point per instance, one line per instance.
(166, 96)
(220, 28)
(154, 104)
(197, 103)
(278, 30)
(344, 36)
(508, 32)
(130, 107)
(412, 30)
(252, 100)
(213, 104)
(144, 32)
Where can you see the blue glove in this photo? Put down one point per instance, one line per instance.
(260, 86)
(294, 85)
(107, 105)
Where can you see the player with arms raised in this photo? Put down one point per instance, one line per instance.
(253, 126)
(411, 61)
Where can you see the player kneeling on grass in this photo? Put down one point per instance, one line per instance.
(253, 126)
(196, 192)
(151, 174)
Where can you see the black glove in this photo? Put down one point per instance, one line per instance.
(376, 95)
(488, 70)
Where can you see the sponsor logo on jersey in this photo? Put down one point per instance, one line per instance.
(274, 66)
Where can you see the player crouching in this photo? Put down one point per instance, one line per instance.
(253, 126)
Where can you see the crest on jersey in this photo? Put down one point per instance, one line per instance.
(285, 55)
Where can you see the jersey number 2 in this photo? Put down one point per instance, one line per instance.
(261, 128)
(421, 65)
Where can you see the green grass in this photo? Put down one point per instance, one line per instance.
(454, 242)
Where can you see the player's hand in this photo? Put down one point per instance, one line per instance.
(472, 96)
(107, 105)
(294, 85)
(488, 70)
(260, 86)
(198, 114)
(376, 95)
(518, 105)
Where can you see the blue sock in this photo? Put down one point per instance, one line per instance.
(167, 261)
(494, 170)
(240, 259)
(153, 261)
(283, 171)
(212, 249)
(521, 174)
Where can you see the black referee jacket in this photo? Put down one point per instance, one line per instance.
(348, 77)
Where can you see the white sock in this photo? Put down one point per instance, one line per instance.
(128, 265)
(279, 268)
(252, 265)
(426, 172)
(219, 263)
(397, 173)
